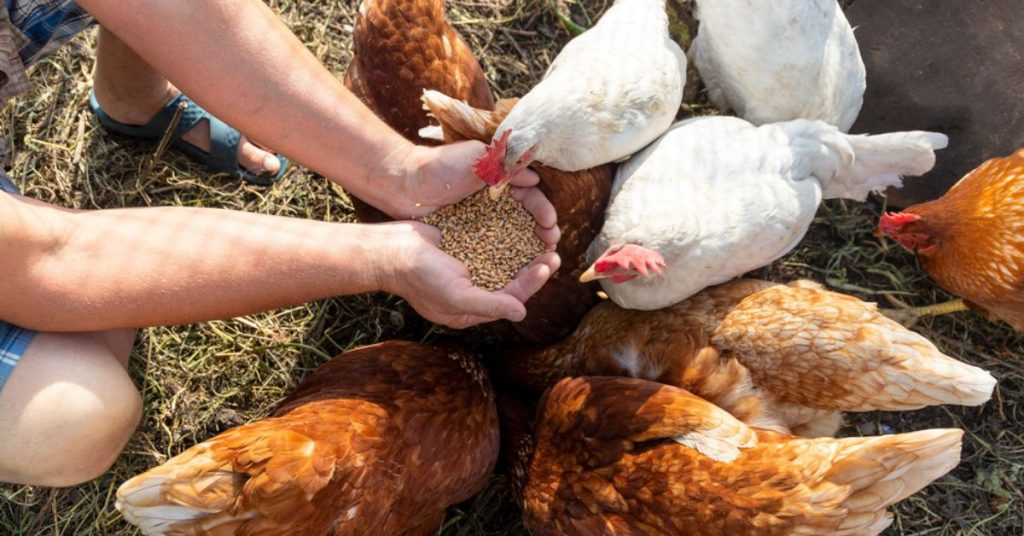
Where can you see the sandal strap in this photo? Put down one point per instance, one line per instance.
(224, 140)
(224, 144)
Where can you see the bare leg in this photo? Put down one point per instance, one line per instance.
(132, 92)
(68, 408)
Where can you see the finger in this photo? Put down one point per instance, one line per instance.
(531, 278)
(468, 321)
(525, 178)
(535, 203)
(549, 236)
(491, 305)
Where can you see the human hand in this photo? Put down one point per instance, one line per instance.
(438, 286)
(434, 177)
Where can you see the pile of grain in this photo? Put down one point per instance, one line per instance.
(494, 239)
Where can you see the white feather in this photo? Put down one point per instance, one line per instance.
(780, 60)
(718, 197)
(610, 91)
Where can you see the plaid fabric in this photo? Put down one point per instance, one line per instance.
(6, 185)
(13, 343)
(31, 29)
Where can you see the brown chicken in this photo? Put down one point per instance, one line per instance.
(402, 47)
(971, 240)
(620, 456)
(579, 199)
(810, 353)
(724, 383)
(379, 440)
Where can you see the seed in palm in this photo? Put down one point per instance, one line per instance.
(494, 239)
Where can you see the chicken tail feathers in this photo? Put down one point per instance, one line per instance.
(460, 121)
(881, 471)
(165, 499)
(255, 475)
(852, 166)
(929, 377)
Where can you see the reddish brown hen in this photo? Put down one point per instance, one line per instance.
(809, 353)
(579, 199)
(971, 240)
(379, 440)
(618, 456)
(402, 47)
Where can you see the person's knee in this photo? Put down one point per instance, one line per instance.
(94, 434)
(75, 409)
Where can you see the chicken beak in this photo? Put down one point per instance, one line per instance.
(589, 275)
(494, 192)
(602, 294)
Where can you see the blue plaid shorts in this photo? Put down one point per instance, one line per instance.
(29, 30)
(13, 343)
(46, 25)
(13, 340)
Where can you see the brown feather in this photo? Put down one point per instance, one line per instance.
(379, 440)
(605, 462)
(788, 356)
(977, 230)
(402, 47)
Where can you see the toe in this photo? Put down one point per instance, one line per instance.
(256, 159)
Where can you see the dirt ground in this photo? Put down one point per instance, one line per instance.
(198, 380)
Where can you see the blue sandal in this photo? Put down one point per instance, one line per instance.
(224, 140)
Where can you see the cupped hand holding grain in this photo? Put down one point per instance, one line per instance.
(439, 287)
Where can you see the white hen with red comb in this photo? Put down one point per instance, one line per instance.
(610, 92)
(716, 197)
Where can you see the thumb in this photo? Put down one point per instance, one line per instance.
(427, 232)
(495, 305)
(464, 153)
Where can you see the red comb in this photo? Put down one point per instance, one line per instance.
(491, 166)
(893, 222)
(632, 257)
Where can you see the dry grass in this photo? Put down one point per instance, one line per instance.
(198, 380)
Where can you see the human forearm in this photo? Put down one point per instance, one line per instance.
(156, 266)
(237, 59)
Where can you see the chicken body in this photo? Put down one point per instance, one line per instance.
(802, 352)
(971, 240)
(401, 48)
(622, 456)
(579, 199)
(779, 61)
(379, 440)
(610, 91)
(716, 197)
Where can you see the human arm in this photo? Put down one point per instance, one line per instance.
(94, 270)
(263, 81)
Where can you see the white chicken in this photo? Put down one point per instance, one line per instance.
(610, 92)
(716, 197)
(780, 60)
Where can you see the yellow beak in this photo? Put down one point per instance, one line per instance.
(589, 275)
(494, 192)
